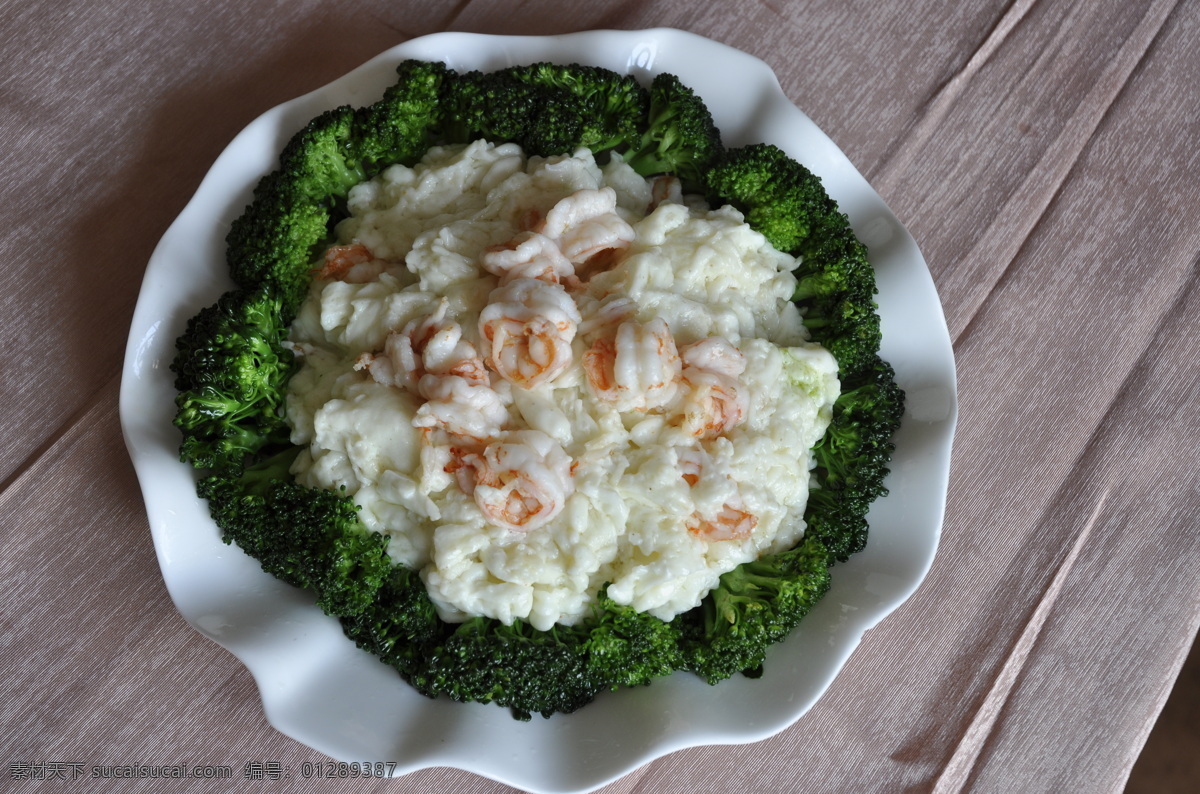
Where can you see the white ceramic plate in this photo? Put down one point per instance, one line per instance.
(321, 690)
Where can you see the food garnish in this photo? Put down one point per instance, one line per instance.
(236, 359)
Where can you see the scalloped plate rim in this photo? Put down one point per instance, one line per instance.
(261, 621)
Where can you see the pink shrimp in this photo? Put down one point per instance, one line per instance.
(429, 345)
(354, 264)
(638, 371)
(731, 522)
(519, 483)
(715, 354)
(691, 464)
(588, 230)
(714, 401)
(527, 328)
(431, 359)
(528, 255)
(608, 314)
(468, 412)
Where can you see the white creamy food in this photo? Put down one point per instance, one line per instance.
(539, 376)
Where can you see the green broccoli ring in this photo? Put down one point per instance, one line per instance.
(232, 370)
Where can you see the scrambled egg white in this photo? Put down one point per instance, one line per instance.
(539, 376)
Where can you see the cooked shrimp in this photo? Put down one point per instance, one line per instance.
(638, 371)
(587, 228)
(730, 523)
(715, 354)
(429, 345)
(521, 482)
(611, 312)
(470, 412)
(714, 401)
(527, 328)
(528, 255)
(665, 189)
(431, 359)
(691, 464)
(437, 348)
(598, 238)
(354, 264)
(378, 366)
(576, 209)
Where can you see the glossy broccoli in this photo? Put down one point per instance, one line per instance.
(629, 648)
(754, 606)
(836, 284)
(320, 163)
(548, 109)
(476, 105)
(852, 459)
(274, 242)
(290, 219)
(401, 626)
(514, 666)
(231, 370)
(607, 109)
(680, 137)
(495, 107)
(834, 266)
(307, 537)
(343, 146)
(780, 198)
(836, 294)
(401, 126)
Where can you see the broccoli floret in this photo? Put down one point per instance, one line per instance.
(838, 519)
(514, 666)
(780, 198)
(547, 109)
(848, 328)
(680, 137)
(551, 109)
(231, 370)
(542, 120)
(308, 537)
(319, 163)
(835, 267)
(482, 105)
(855, 450)
(276, 239)
(556, 127)
(280, 234)
(604, 110)
(852, 459)
(754, 606)
(399, 128)
(625, 647)
(342, 147)
(836, 294)
(259, 478)
(401, 626)
(788, 205)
